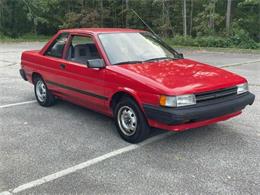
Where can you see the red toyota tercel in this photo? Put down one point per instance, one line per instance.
(135, 77)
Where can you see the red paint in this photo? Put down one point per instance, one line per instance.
(144, 82)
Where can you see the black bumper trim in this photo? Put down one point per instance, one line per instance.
(23, 74)
(200, 111)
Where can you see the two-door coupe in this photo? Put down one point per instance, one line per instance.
(136, 78)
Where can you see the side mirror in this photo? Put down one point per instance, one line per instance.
(96, 63)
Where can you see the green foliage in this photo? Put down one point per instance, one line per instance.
(249, 20)
(12, 18)
(206, 19)
(83, 19)
(240, 40)
(204, 41)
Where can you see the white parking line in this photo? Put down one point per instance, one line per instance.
(93, 161)
(17, 104)
(86, 164)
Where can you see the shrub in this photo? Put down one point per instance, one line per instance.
(240, 40)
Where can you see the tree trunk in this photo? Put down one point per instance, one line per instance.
(191, 15)
(163, 11)
(212, 15)
(184, 18)
(102, 13)
(32, 15)
(1, 15)
(126, 16)
(163, 31)
(228, 15)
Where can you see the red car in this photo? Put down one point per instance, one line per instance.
(136, 78)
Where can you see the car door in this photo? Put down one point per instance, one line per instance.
(52, 64)
(83, 85)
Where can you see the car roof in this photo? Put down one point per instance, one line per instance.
(100, 30)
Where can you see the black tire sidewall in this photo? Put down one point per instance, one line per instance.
(142, 130)
(49, 98)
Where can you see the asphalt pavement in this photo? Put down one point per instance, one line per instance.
(67, 149)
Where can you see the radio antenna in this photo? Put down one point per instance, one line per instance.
(179, 55)
(144, 23)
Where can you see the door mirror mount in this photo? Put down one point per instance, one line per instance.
(180, 55)
(96, 63)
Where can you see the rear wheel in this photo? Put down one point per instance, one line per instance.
(130, 121)
(43, 96)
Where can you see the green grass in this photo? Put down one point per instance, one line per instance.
(25, 38)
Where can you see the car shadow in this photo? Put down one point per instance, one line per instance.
(211, 133)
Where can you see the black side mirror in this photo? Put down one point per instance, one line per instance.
(96, 63)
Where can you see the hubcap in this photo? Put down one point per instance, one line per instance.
(127, 120)
(41, 91)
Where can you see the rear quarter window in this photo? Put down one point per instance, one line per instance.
(57, 47)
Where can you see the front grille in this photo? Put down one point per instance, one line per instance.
(216, 94)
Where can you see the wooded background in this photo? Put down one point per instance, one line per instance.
(227, 21)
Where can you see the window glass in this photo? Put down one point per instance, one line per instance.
(125, 47)
(82, 49)
(57, 47)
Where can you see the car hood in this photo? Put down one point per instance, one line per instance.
(183, 76)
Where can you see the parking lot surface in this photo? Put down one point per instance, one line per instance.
(67, 149)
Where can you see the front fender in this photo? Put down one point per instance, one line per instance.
(131, 92)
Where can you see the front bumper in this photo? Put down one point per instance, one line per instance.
(199, 112)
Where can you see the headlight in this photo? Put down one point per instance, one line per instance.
(242, 88)
(177, 101)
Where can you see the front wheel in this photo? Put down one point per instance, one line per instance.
(130, 121)
(43, 96)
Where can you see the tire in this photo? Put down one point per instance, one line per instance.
(130, 121)
(43, 96)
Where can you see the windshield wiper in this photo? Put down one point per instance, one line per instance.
(129, 62)
(157, 59)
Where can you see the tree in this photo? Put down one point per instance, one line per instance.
(126, 16)
(228, 15)
(102, 12)
(208, 20)
(184, 18)
(13, 21)
(212, 15)
(247, 18)
(191, 15)
(166, 17)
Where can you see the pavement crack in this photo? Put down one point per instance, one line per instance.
(7, 61)
(10, 64)
(8, 51)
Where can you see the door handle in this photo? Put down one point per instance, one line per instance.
(62, 66)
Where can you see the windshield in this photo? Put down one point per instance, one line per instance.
(122, 48)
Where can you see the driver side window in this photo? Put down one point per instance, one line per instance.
(81, 49)
(57, 47)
